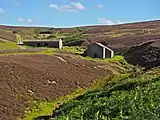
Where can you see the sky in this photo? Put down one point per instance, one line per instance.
(69, 13)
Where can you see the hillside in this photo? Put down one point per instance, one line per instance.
(129, 34)
(127, 97)
(54, 84)
(146, 54)
(28, 79)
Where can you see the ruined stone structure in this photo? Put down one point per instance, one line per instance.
(98, 50)
(44, 43)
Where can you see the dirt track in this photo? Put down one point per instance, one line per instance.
(23, 77)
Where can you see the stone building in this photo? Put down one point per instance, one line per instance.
(44, 43)
(98, 50)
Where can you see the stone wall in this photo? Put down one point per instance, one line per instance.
(97, 51)
(54, 44)
(94, 51)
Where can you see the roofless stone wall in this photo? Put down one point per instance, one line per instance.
(40, 43)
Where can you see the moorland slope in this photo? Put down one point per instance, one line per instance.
(119, 37)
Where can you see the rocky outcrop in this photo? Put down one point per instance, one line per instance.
(146, 55)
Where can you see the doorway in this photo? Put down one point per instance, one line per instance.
(38, 45)
(46, 45)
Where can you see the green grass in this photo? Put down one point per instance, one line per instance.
(117, 58)
(72, 49)
(8, 45)
(46, 107)
(130, 97)
(43, 52)
(126, 96)
(39, 110)
(116, 35)
(116, 61)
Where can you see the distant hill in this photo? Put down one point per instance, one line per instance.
(118, 37)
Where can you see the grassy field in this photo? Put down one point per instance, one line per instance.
(42, 52)
(74, 49)
(44, 108)
(127, 96)
(133, 97)
(8, 46)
